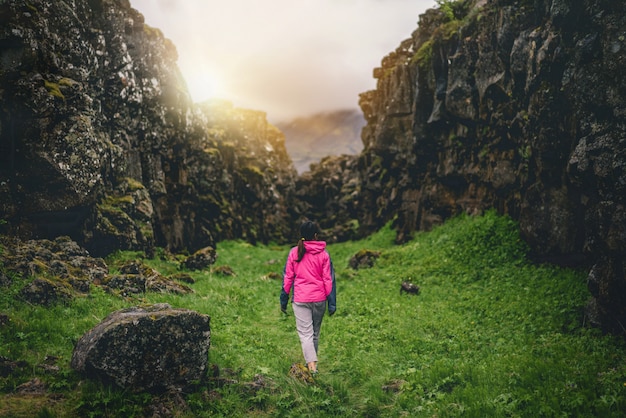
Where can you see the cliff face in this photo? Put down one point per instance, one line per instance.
(99, 139)
(330, 194)
(513, 105)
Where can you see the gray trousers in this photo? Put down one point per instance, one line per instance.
(308, 323)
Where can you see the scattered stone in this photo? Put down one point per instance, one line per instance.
(260, 382)
(93, 269)
(49, 365)
(363, 259)
(300, 372)
(5, 281)
(32, 387)
(170, 404)
(410, 288)
(136, 277)
(221, 377)
(183, 277)
(8, 366)
(149, 347)
(127, 284)
(211, 396)
(49, 368)
(201, 259)
(394, 386)
(273, 276)
(46, 292)
(223, 271)
(61, 267)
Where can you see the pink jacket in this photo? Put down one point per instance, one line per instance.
(311, 278)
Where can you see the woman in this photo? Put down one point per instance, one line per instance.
(309, 272)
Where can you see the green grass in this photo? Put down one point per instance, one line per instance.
(489, 335)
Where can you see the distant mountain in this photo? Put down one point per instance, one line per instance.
(309, 139)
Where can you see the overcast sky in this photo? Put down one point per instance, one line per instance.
(288, 58)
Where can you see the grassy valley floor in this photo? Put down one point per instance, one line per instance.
(489, 335)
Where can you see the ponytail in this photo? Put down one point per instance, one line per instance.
(308, 231)
(301, 249)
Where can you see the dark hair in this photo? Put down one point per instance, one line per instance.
(308, 232)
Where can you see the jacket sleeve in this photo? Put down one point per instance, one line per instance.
(288, 275)
(332, 296)
(284, 299)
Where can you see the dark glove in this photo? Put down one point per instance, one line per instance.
(283, 309)
(331, 313)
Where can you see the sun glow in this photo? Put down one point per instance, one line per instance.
(204, 84)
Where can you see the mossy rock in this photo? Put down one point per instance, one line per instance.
(223, 271)
(300, 372)
(363, 259)
(46, 292)
(201, 259)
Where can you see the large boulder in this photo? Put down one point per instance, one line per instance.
(144, 348)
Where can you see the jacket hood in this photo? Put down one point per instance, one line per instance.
(315, 247)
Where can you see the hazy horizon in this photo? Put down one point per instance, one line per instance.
(282, 57)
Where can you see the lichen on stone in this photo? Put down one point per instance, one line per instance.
(54, 89)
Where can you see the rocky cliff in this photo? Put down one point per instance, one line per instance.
(516, 105)
(99, 139)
